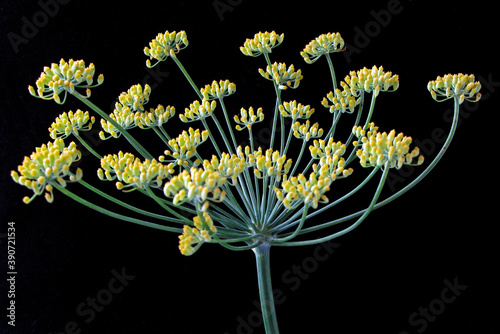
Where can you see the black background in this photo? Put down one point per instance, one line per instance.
(378, 276)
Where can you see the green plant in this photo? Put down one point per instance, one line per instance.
(242, 198)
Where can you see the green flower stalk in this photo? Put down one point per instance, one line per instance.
(239, 197)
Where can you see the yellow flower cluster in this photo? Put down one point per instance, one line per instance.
(133, 173)
(263, 42)
(342, 100)
(198, 111)
(156, 117)
(283, 77)
(305, 131)
(295, 111)
(126, 118)
(378, 148)
(129, 112)
(134, 98)
(165, 45)
(320, 148)
(229, 166)
(374, 79)
(202, 232)
(331, 164)
(323, 44)
(70, 123)
(49, 163)
(63, 78)
(184, 146)
(270, 163)
(299, 189)
(218, 90)
(196, 185)
(248, 118)
(459, 85)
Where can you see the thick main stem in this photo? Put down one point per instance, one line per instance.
(265, 288)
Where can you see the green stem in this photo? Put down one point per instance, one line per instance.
(160, 134)
(265, 288)
(370, 113)
(102, 114)
(298, 229)
(128, 206)
(111, 213)
(88, 147)
(151, 193)
(414, 182)
(188, 77)
(302, 149)
(331, 132)
(228, 122)
(293, 219)
(332, 71)
(212, 139)
(275, 119)
(223, 134)
(355, 224)
(434, 162)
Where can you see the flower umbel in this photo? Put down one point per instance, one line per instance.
(70, 123)
(132, 173)
(374, 79)
(295, 111)
(156, 117)
(342, 101)
(459, 85)
(378, 148)
(298, 189)
(165, 45)
(63, 78)
(331, 163)
(323, 44)
(305, 131)
(229, 166)
(184, 146)
(271, 163)
(129, 112)
(134, 98)
(197, 186)
(202, 232)
(218, 90)
(283, 77)
(198, 111)
(248, 118)
(49, 163)
(263, 42)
